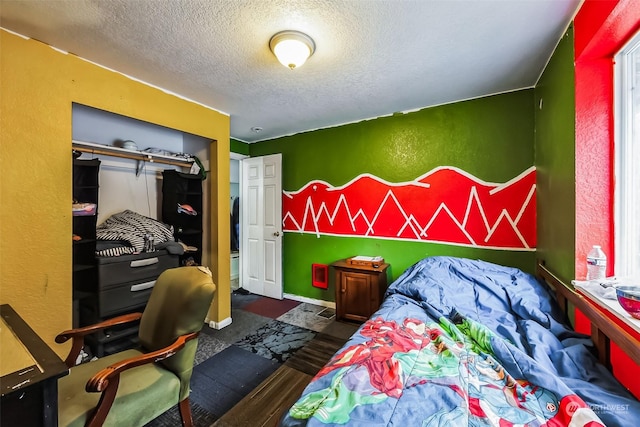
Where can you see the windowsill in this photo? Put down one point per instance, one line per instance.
(609, 305)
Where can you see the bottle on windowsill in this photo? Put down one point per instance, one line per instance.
(596, 264)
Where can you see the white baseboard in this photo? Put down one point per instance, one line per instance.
(219, 325)
(319, 302)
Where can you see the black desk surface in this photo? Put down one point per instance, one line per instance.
(37, 368)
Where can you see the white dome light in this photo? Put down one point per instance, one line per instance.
(292, 48)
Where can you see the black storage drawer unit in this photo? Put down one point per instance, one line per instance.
(124, 285)
(119, 270)
(125, 297)
(125, 282)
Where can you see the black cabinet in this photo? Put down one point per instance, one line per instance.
(85, 214)
(182, 208)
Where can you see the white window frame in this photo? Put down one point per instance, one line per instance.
(627, 154)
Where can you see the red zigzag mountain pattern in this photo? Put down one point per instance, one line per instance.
(445, 205)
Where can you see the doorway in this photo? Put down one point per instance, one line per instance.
(261, 225)
(235, 190)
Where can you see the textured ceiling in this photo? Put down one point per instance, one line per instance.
(373, 57)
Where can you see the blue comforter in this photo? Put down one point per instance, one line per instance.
(465, 343)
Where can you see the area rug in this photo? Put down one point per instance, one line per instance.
(267, 403)
(218, 383)
(309, 316)
(232, 362)
(270, 307)
(276, 340)
(221, 381)
(171, 418)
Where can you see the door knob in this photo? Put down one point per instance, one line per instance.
(276, 234)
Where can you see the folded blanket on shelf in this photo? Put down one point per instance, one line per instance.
(131, 229)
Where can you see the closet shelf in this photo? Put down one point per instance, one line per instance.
(107, 150)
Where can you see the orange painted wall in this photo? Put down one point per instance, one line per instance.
(39, 85)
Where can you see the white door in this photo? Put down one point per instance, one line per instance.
(261, 225)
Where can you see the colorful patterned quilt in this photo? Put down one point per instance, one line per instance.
(465, 343)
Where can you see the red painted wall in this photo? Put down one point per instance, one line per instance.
(601, 28)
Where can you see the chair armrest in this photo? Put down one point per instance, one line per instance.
(100, 381)
(107, 380)
(77, 335)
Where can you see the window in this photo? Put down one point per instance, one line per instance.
(627, 196)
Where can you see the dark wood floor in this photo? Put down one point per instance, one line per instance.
(267, 403)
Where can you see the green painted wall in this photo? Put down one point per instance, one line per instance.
(239, 147)
(555, 161)
(491, 138)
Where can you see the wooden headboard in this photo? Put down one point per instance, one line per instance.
(603, 328)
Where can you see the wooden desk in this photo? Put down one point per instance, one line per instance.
(28, 375)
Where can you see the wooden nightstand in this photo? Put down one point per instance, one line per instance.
(359, 290)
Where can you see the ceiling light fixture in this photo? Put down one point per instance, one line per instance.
(292, 48)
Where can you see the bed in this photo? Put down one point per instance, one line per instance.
(465, 343)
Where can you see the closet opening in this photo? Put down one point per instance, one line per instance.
(236, 206)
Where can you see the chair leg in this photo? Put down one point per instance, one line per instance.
(185, 412)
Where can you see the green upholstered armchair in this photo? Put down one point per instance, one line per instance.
(133, 387)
